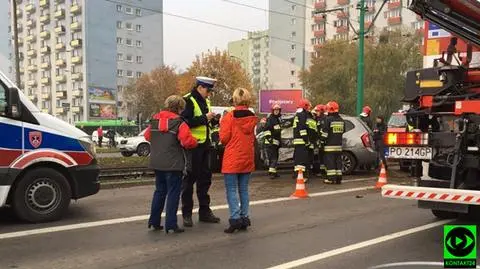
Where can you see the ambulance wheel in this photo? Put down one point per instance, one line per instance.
(41, 195)
(444, 214)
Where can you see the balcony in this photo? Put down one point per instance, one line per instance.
(30, 23)
(45, 19)
(76, 43)
(61, 78)
(60, 62)
(22, 70)
(319, 33)
(60, 29)
(76, 26)
(45, 81)
(19, 28)
(77, 93)
(19, 13)
(77, 76)
(342, 29)
(342, 15)
(60, 110)
(45, 50)
(319, 18)
(45, 35)
(76, 109)
(61, 94)
(320, 5)
(60, 14)
(32, 68)
(343, 2)
(75, 9)
(32, 83)
(394, 20)
(44, 3)
(45, 65)
(394, 5)
(32, 53)
(30, 8)
(77, 60)
(46, 96)
(60, 46)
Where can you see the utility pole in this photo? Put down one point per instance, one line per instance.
(361, 52)
(15, 42)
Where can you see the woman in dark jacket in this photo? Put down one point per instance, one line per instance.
(378, 136)
(168, 139)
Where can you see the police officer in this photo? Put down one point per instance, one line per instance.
(200, 118)
(272, 135)
(319, 164)
(300, 137)
(365, 116)
(332, 134)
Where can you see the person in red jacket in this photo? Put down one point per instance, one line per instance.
(237, 134)
(169, 136)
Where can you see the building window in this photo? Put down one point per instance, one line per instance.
(130, 73)
(292, 59)
(119, 88)
(129, 26)
(138, 12)
(119, 8)
(119, 56)
(139, 59)
(294, 34)
(139, 74)
(119, 25)
(294, 7)
(119, 40)
(119, 73)
(292, 85)
(138, 28)
(294, 47)
(139, 43)
(292, 72)
(294, 21)
(129, 58)
(128, 10)
(129, 42)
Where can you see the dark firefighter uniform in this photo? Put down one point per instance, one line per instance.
(319, 157)
(332, 134)
(300, 137)
(313, 139)
(272, 137)
(195, 115)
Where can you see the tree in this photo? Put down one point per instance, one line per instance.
(219, 65)
(149, 92)
(333, 75)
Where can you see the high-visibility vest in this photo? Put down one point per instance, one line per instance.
(199, 132)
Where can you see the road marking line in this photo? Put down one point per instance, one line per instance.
(398, 264)
(342, 250)
(146, 217)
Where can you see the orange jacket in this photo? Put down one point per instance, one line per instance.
(237, 134)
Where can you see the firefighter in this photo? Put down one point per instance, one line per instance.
(300, 138)
(199, 118)
(332, 135)
(320, 169)
(365, 116)
(272, 135)
(313, 139)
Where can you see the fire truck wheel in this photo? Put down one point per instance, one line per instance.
(41, 195)
(444, 214)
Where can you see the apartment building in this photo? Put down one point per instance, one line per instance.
(76, 56)
(334, 25)
(253, 53)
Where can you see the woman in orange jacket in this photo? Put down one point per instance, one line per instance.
(237, 134)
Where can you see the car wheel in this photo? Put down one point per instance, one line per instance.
(348, 163)
(143, 150)
(41, 195)
(126, 153)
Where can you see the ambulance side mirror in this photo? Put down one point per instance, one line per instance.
(14, 107)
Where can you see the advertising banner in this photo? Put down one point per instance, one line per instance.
(103, 111)
(287, 99)
(102, 95)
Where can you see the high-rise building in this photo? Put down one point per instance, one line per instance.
(253, 54)
(77, 56)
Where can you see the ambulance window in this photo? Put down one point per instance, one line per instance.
(3, 100)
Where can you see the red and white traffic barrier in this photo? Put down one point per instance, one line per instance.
(432, 194)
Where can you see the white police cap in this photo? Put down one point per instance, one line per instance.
(206, 82)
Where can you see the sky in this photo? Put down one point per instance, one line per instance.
(184, 39)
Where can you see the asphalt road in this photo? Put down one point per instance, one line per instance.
(323, 231)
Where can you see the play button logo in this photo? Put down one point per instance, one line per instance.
(460, 242)
(460, 247)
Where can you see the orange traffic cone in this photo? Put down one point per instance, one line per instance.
(382, 178)
(300, 190)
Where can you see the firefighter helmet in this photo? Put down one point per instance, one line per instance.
(320, 108)
(367, 110)
(332, 107)
(304, 103)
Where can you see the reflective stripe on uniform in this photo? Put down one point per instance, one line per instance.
(272, 170)
(265, 133)
(324, 134)
(276, 142)
(276, 127)
(338, 172)
(312, 124)
(303, 132)
(323, 167)
(337, 126)
(331, 172)
(332, 148)
(298, 141)
(199, 132)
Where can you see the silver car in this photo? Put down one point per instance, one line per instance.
(358, 148)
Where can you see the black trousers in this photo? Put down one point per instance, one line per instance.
(333, 162)
(201, 174)
(318, 162)
(301, 158)
(272, 152)
(380, 149)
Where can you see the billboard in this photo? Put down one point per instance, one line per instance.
(287, 98)
(103, 111)
(102, 95)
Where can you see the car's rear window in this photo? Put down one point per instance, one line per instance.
(349, 126)
(397, 120)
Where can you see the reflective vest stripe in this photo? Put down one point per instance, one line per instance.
(332, 148)
(199, 132)
(298, 141)
(303, 132)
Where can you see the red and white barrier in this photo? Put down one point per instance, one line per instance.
(432, 194)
